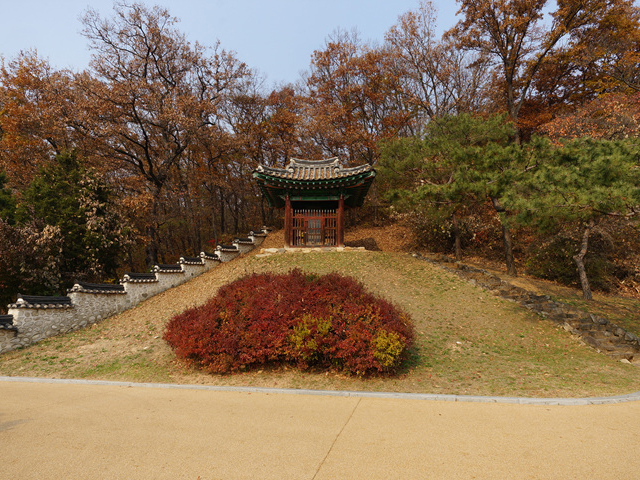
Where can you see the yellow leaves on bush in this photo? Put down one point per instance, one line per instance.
(388, 348)
(306, 335)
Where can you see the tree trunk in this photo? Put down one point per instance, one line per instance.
(242, 216)
(235, 212)
(132, 267)
(340, 222)
(152, 232)
(222, 212)
(579, 259)
(193, 223)
(197, 245)
(508, 251)
(506, 240)
(214, 225)
(457, 241)
(288, 220)
(152, 248)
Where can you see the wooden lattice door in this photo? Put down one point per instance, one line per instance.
(314, 228)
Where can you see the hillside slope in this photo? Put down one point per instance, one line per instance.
(469, 342)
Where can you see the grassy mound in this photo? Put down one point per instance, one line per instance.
(327, 321)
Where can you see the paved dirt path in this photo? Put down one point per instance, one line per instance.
(80, 431)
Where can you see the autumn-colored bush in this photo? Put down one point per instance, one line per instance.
(315, 321)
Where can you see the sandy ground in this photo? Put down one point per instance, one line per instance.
(53, 431)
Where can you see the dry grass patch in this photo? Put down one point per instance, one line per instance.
(467, 340)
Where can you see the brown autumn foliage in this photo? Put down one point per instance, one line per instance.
(36, 105)
(354, 99)
(514, 36)
(597, 60)
(155, 96)
(176, 128)
(614, 116)
(437, 78)
(610, 52)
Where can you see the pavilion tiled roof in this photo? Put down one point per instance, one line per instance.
(328, 169)
(315, 180)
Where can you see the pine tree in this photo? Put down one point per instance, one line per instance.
(581, 183)
(459, 163)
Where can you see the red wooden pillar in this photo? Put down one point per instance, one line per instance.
(340, 222)
(288, 222)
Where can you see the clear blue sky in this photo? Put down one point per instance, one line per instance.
(276, 37)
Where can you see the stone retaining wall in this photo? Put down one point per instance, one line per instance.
(597, 332)
(30, 322)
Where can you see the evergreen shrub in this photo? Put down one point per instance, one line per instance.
(327, 321)
(433, 232)
(480, 233)
(553, 260)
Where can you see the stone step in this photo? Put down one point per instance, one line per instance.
(600, 335)
(622, 356)
(587, 326)
(608, 343)
(593, 339)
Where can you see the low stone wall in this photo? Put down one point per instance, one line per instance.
(226, 253)
(167, 280)
(192, 267)
(257, 237)
(36, 321)
(92, 305)
(8, 332)
(243, 245)
(597, 332)
(32, 318)
(7, 340)
(139, 287)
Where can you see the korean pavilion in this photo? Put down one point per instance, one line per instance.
(314, 195)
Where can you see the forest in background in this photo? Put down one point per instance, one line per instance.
(513, 136)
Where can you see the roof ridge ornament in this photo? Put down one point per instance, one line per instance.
(300, 162)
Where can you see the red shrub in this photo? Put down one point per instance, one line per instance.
(320, 321)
